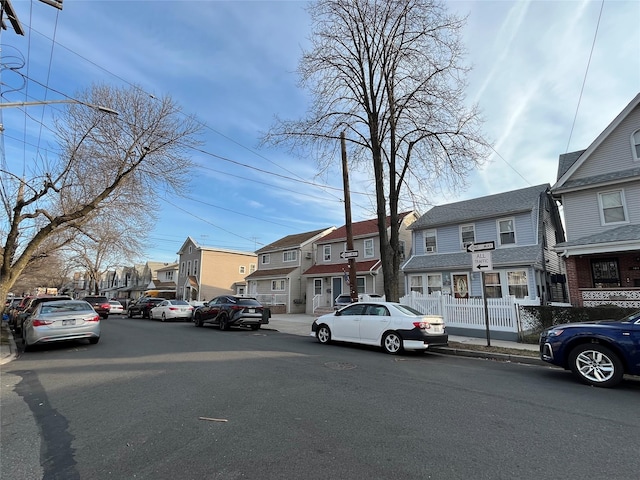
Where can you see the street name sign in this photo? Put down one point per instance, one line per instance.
(349, 254)
(481, 261)
(481, 247)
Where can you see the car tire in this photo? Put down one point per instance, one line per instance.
(163, 318)
(129, 314)
(255, 327)
(94, 340)
(323, 334)
(596, 365)
(197, 321)
(392, 343)
(224, 323)
(25, 345)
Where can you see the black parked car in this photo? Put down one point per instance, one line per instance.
(142, 306)
(100, 304)
(598, 353)
(229, 310)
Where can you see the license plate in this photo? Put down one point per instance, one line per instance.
(251, 310)
(69, 322)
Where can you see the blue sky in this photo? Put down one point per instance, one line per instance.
(542, 89)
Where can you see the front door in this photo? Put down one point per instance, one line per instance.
(460, 285)
(336, 288)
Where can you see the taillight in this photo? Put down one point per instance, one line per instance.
(41, 323)
(173, 308)
(106, 306)
(93, 319)
(237, 307)
(422, 325)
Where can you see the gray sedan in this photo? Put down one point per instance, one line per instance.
(60, 321)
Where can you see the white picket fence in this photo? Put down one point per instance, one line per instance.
(466, 316)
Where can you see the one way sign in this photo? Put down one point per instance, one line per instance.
(481, 261)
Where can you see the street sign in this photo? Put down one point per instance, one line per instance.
(481, 247)
(349, 254)
(481, 261)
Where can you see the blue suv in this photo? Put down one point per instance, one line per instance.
(598, 353)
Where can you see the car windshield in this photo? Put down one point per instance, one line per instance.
(65, 307)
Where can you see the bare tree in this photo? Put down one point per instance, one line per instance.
(389, 74)
(105, 162)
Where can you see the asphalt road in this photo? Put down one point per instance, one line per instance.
(167, 400)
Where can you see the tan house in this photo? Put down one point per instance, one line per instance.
(278, 280)
(328, 277)
(206, 272)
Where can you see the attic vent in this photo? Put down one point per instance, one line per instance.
(308, 255)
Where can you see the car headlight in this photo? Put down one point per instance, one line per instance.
(555, 333)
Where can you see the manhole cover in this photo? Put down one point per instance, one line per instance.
(340, 365)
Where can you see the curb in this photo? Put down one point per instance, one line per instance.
(11, 355)
(503, 357)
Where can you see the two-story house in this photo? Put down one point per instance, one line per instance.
(206, 272)
(278, 280)
(329, 275)
(164, 283)
(599, 189)
(523, 226)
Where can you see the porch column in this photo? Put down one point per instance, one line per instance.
(575, 298)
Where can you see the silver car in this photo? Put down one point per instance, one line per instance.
(61, 320)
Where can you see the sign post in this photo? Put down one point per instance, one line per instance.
(481, 261)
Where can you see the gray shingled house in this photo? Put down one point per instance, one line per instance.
(524, 226)
(599, 189)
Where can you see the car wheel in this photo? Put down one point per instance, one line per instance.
(94, 340)
(255, 327)
(164, 317)
(25, 345)
(129, 314)
(392, 343)
(198, 321)
(324, 334)
(596, 365)
(224, 323)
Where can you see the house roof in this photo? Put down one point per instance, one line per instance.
(274, 272)
(489, 206)
(368, 266)
(170, 266)
(501, 257)
(213, 249)
(623, 238)
(295, 240)
(566, 167)
(364, 228)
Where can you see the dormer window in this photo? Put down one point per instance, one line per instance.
(635, 145)
(430, 245)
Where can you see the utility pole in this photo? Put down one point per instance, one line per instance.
(353, 287)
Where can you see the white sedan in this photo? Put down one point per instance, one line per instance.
(389, 325)
(171, 310)
(116, 307)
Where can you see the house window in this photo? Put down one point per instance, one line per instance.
(195, 267)
(290, 256)
(317, 286)
(190, 249)
(401, 249)
(361, 284)
(182, 268)
(467, 235)
(242, 269)
(415, 283)
(492, 286)
(507, 232)
(327, 253)
(430, 241)
(169, 275)
(277, 285)
(434, 283)
(252, 267)
(606, 273)
(612, 208)
(518, 286)
(189, 267)
(635, 144)
(266, 259)
(368, 248)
